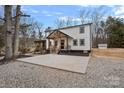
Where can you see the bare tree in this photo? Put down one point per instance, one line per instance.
(2, 32)
(84, 15)
(24, 35)
(34, 28)
(95, 16)
(2, 37)
(16, 33)
(99, 33)
(8, 29)
(75, 22)
(59, 23)
(68, 21)
(95, 19)
(31, 30)
(39, 27)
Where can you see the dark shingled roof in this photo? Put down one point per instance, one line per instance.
(72, 26)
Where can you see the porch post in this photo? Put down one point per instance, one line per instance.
(67, 43)
(49, 44)
(59, 43)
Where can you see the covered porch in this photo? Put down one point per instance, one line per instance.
(57, 41)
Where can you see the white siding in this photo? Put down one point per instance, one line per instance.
(75, 33)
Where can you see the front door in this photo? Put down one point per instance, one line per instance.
(62, 44)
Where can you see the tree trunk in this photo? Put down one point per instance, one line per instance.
(8, 32)
(16, 33)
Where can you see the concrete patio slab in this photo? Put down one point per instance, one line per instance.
(64, 62)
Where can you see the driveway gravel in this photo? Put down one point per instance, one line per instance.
(101, 72)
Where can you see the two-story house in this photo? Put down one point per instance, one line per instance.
(71, 39)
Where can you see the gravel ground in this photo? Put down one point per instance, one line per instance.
(101, 72)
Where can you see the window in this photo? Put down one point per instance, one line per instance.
(62, 44)
(56, 43)
(75, 42)
(50, 43)
(82, 42)
(82, 29)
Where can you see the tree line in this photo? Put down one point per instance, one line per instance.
(109, 30)
(14, 26)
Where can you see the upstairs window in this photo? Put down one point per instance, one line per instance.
(75, 42)
(81, 29)
(82, 42)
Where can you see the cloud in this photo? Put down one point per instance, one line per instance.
(87, 7)
(48, 15)
(57, 13)
(84, 5)
(24, 9)
(34, 11)
(120, 16)
(65, 18)
(44, 12)
(111, 6)
(76, 19)
(119, 10)
(93, 6)
(29, 9)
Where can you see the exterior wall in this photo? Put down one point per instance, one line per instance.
(75, 33)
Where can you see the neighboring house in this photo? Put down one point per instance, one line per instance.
(73, 38)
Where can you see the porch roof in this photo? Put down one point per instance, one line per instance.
(58, 34)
